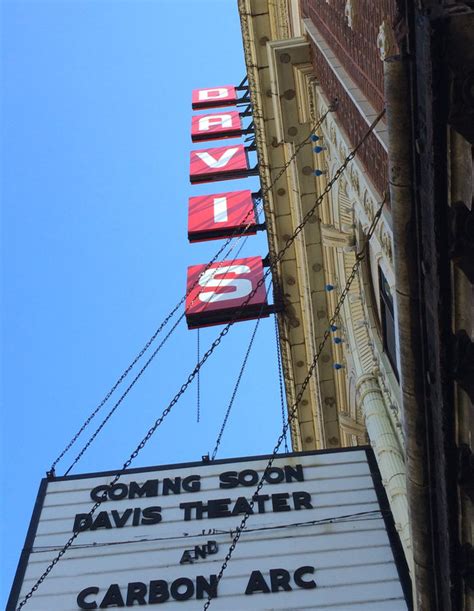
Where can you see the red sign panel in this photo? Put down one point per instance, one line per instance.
(223, 163)
(214, 97)
(215, 126)
(211, 217)
(222, 290)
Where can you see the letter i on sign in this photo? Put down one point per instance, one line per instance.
(219, 215)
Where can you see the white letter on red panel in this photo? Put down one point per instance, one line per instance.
(216, 126)
(214, 162)
(221, 163)
(220, 215)
(224, 277)
(222, 290)
(214, 97)
(207, 122)
(220, 210)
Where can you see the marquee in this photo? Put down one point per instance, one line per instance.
(320, 537)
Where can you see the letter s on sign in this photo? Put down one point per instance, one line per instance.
(241, 286)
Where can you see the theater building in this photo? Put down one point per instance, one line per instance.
(397, 370)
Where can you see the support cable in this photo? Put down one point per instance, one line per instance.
(237, 233)
(375, 514)
(294, 408)
(198, 380)
(145, 367)
(280, 381)
(237, 384)
(205, 357)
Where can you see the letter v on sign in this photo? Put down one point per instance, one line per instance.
(223, 163)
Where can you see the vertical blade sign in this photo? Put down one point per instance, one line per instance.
(223, 163)
(217, 216)
(221, 291)
(216, 126)
(214, 97)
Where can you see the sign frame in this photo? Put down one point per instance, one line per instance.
(393, 537)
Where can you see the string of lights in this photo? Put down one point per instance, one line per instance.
(352, 517)
(207, 354)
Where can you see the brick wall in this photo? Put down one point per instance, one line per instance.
(355, 48)
(372, 154)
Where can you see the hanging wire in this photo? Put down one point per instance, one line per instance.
(122, 397)
(142, 352)
(237, 233)
(294, 408)
(198, 380)
(273, 267)
(91, 439)
(239, 378)
(375, 514)
(280, 381)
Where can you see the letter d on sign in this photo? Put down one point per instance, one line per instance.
(213, 97)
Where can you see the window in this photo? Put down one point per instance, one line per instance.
(388, 321)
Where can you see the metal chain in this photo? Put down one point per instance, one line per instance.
(280, 381)
(237, 384)
(145, 366)
(237, 233)
(206, 355)
(198, 380)
(122, 397)
(294, 409)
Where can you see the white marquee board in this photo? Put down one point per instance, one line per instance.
(318, 539)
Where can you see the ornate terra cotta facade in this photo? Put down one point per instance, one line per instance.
(344, 56)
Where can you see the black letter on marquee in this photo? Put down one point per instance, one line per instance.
(241, 506)
(188, 592)
(82, 522)
(81, 598)
(192, 483)
(121, 520)
(136, 592)
(113, 596)
(102, 521)
(228, 479)
(149, 488)
(280, 579)
(257, 583)
(186, 558)
(151, 515)
(302, 499)
(202, 585)
(279, 502)
(158, 592)
(95, 496)
(294, 473)
(308, 585)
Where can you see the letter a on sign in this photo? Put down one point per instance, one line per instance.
(217, 216)
(222, 124)
(221, 291)
(223, 163)
(214, 97)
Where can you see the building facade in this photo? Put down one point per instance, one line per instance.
(395, 370)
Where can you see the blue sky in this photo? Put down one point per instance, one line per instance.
(96, 139)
